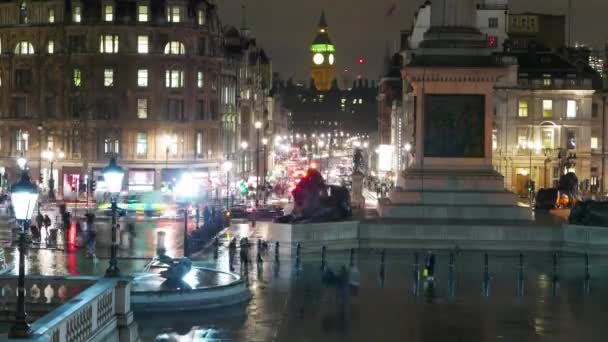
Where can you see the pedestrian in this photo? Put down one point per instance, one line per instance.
(46, 221)
(91, 239)
(430, 266)
(206, 216)
(39, 220)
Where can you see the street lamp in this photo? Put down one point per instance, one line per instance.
(188, 191)
(227, 166)
(50, 157)
(408, 148)
(113, 175)
(264, 143)
(21, 162)
(258, 126)
(24, 197)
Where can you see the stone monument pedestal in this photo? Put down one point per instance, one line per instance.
(356, 196)
(449, 194)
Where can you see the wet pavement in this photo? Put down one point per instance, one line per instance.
(292, 303)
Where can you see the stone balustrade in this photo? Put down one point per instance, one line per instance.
(43, 293)
(91, 309)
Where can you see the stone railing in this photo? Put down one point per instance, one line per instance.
(43, 294)
(93, 309)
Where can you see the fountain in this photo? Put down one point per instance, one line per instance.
(175, 284)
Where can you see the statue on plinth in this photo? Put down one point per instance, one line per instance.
(314, 201)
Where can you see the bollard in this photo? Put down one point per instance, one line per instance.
(587, 274)
(298, 251)
(323, 258)
(382, 264)
(352, 258)
(276, 251)
(160, 242)
(486, 275)
(451, 264)
(451, 282)
(259, 259)
(416, 274)
(555, 277)
(520, 276)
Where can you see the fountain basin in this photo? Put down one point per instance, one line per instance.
(202, 288)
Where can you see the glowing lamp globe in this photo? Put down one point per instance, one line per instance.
(227, 166)
(113, 175)
(24, 197)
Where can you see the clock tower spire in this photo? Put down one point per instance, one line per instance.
(322, 57)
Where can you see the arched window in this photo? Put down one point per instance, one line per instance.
(175, 48)
(24, 48)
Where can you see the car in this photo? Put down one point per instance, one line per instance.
(239, 211)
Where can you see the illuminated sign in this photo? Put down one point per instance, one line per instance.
(320, 48)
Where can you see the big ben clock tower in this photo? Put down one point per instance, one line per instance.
(322, 57)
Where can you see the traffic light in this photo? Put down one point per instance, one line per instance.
(93, 185)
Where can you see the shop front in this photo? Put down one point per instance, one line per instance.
(141, 180)
(72, 177)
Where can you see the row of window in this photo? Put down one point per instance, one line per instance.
(175, 13)
(174, 78)
(112, 144)
(547, 105)
(107, 44)
(174, 109)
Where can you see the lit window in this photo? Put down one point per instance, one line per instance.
(548, 134)
(142, 108)
(77, 78)
(174, 14)
(77, 14)
(142, 144)
(108, 12)
(175, 48)
(50, 47)
(108, 43)
(142, 77)
(174, 79)
(571, 109)
(547, 81)
(570, 138)
(108, 78)
(111, 145)
(142, 44)
(201, 17)
(22, 139)
(594, 143)
(522, 137)
(24, 48)
(547, 108)
(51, 16)
(199, 143)
(199, 79)
(142, 13)
(523, 109)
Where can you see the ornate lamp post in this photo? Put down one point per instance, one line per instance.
(227, 166)
(187, 191)
(113, 175)
(50, 156)
(258, 126)
(21, 162)
(24, 197)
(264, 152)
(408, 148)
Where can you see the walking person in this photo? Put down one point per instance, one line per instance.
(430, 266)
(47, 224)
(91, 236)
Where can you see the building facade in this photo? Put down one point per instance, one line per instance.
(87, 80)
(549, 114)
(322, 57)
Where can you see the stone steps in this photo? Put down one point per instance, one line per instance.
(454, 211)
(450, 197)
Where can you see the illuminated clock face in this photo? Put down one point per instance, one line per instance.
(318, 58)
(331, 59)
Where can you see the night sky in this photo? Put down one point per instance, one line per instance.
(361, 28)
